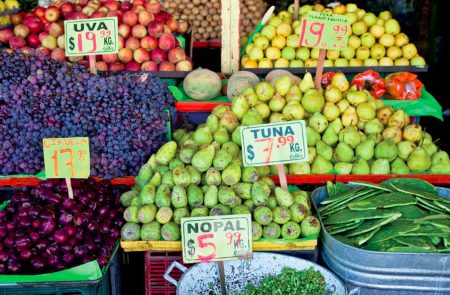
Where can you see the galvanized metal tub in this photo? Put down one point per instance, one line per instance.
(384, 273)
(203, 278)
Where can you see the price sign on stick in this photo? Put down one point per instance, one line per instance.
(325, 31)
(91, 36)
(216, 238)
(66, 157)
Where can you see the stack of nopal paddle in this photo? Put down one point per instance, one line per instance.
(400, 215)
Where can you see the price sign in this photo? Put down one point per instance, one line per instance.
(325, 31)
(91, 36)
(67, 157)
(216, 238)
(277, 143)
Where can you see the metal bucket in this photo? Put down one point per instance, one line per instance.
(203, 278)
(384, 273)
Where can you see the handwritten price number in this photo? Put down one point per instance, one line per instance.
(82, 156)
(203, 244)
(105, 33)
(282, 140)
(90, 36)
(319, 32)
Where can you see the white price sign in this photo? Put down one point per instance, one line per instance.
(272, 144)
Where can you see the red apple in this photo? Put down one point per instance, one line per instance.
(85, 63)
(49, 42)
(101, 66)
(112, 5)
(164, 15)
(184, 66)
(34, 23)
(172, 24)
(61, 41)
(88, 10)
(80, 15)
(22, 30)
(138, 2)
(82, 2)
(71, 15)
(33, 40)
(116, 66)
(155, 28)
(23, 14)
(121, 42)
(17, 42)
(25, 49)
(98, 14)
(16, 19)
(167, 66)
(125, 55)
(132, 43)
(103, 9)
(66, 8)
(153, 6)
(166, 41)
(138, 8)
(97, 57)
(132, 66)
(116, 15)
(141, 55)
(43, 20)
(78, 8)
(149, 43)
(47, 27)
(120, 13)
(158, 55)
(109, 58)
(42, 36)
(73, 58)
(124, 31)
(167, 30)
(149, 66)
(138, 31)
(52, 14)
(58, 54)
(126, 6)
(130, 18)
(5, 35)
(43, 50)
(39, 12)
(176, 54)
(56, 30)
(158, 17)
(94, 4)
(145, 17)
(183, 26)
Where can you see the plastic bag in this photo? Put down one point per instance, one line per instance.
(403, 86)
(370, 81)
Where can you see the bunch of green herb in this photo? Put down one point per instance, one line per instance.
(290, 282)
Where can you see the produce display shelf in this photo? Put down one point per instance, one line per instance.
(6, 26)
(7, 12)
(165, 74)
(200, 44)
(393, 69)
(190, 107)
(134, 246)
(306, 179)
(435, 179)
(33, 181)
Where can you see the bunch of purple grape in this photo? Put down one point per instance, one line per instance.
(122, 114)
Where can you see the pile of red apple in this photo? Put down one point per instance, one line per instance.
(146, 40)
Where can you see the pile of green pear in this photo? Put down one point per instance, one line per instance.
(348, 131)
(199, 175)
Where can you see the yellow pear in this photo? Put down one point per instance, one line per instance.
(343, 105)
(356, 97)
(384, 114)
(349, 117)
(413, 133)
(331, 111)
(307, 83)
(340, 81)
(397, 119)
(393, 132)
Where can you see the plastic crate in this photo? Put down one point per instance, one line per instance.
(156, 264)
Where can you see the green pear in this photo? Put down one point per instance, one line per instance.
(264, 91)
(294, 94)
(427, 135)
(360, 167)
(349, 117)
(386, 149)
(306, 83)
(318, 122)
(374, 126)
(229, 121)
(313, 101)
(337, 125)
(232, 148)
(251, 118)
(363, 136)
(263, 110)
(430, 148)
(321, 166)
(361, 125)
(324, 150)
(399, 167)
(330, 137)
(222, 159)
(277, 102)
(405, 148)
(236, 136)
(212, 122)
(239, 106)
(250, 96)
(178, 134)
(355, 98)
(283, 84)
(343, 105)
(221, 135)
(220, 110)
(299, 168)
(343, 168)
(203, 136)
(366, 149)
(333, 94)
(312, 136)
(312, 153)
(366, 111)
(277, 118)
(340, 81)
(350, 135)
(377, 137)
(331, 111)
(438, 157)
(419, 160)
(380, 167)
(343, 152)
(294, 111)
(441, 167)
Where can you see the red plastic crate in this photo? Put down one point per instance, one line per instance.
(306, 179)
(189, 107)
(156, 263)
(33, 181)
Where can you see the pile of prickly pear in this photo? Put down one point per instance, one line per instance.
(195, 176)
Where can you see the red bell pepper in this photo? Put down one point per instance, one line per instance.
(370, 81)
(403, 86)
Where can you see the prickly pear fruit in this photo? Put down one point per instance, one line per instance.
(272, 203)
(298, 212)
(213, 176)
(201, 211)
(195, 196)
(136, 201)
(211, 196)
(284, 198)
(272, 231)
(240, 209)
(222, 159)
(156, 179)
(243, 190)
(147, 213)
(231, 175)
(181, 176)
(174, 163)
(290, 230)
(281, 215)
(250, 205)
(180, 213)
(179, 197)
(162, 198)
(166, 153)
(202, 136)
(195, 176)
(263, 215)
(161, 170)
(203, 159)
(310, 226)
(170, 231)
(144, 176)
(164, 215)
(130, 232)
(131, 214)
(257, 231)
(227, 196)
(148, 194)
(220, 209)
(250, 174)
(260, 193)
(232, 148)
(125, 198)
(269, 182)
(151, 231)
